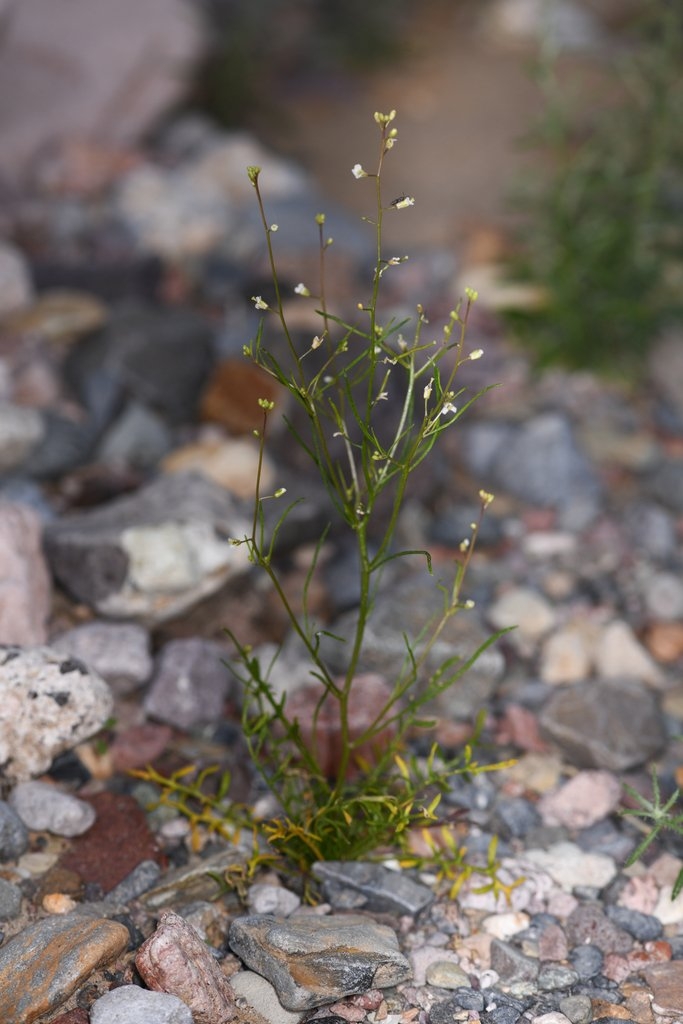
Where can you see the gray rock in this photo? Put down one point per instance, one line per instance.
(138, 438)
(143, 876)
(175, 960)
(130, 1004)
(381, 890)
(592, 724)
(541, 464)
(16, 289)
(66, 444)
(43, 807)
(644, 927)
(10, 900)
(25, 586)
(407, 607)
(260, 995)
(651, 529)
(21, 431)
(13, 834)
(153, 554)
(579, 1009)
(119, 652)
(515, 816)
(58, 954)
(48, 704)
(272, 899)
(511, 964)
(586, 959)
(191, 683)
(588, 924)
(663, 594)
(554, 976)
(316, 960)
(665, 484)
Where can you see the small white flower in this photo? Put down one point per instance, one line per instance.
(279, 492)
(404, 202)
(382, 396)
(259, 303)
(426, 394)
(477, 353)
(274, 227)
(317, 342)
(448, 408)
(358, 172)
(301, 289)
(469, 604)
(464, 544)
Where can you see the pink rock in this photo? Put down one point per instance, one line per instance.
(640, 894)
(24, 580)
(175, 960)
(552, 944)
(589, 797)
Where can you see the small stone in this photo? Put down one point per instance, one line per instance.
(587, 798)
(515, 816)
(58, 903)
(139, 745)
(191, 683)
(13, 833)
(10, 900)
(586, 960)
(16, 289)
(566, 656)
(175, 960)
(666, 982)
(25, 588)
(554, 1017)
(232, 393)
(315, 960)
(504, 926)
(592, 723)
(231, 463)
(21, 431)
(618, 653)
(569, 866)
(44, 808)
(510, 964)
(143, 876)
(262, 997)
(139, 438)
(578, 1009)
(423, 957)
(445, 974)
(130, 1004)
(119, 652)
(48, 704)
(589, 924)
(58, 954)
(644, 927)
(383, 891)
(525, 609)
(553, 976)
(272, 899)
(552, 943)
(664, 641)
(663, 594)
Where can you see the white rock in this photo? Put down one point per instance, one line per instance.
(48, 704)
(44, 808)
(261, 996)
(566, 656)
(130, 1004)
(569, 866)
(525, 609)
(667, 910)
(503, 926)
(272, 899)
(619, 654)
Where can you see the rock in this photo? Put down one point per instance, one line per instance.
(664, 641)
(119, 652)
(13, 834)
(25, 590)
(569, 866)
(130, 1004)
(381, 890)
(116, 844)
(666, 982)
(504, 926)
(588, 925)
(554, 976)
(316, 960)
(48, 704)
(643, 927)
(58, 954)
(262, 997)
(174, 959)
(138, 746)
(10, 900)
(232, 464)
(191, 683)
(525, 610)
(586, 799)
(139, 438)
(566, 656)
(194, 881)
(58, 316)
(541, 464)
(232, 392)
(16, 289)
(578, 1009)
(44, 808)
(272, 899)
(663, 594)
(143, 876)
(445, 974)
(21, 431)
(424, 957)
(592, 724)
(619, 654)
(153, 554)
(93, 80)
(665, 484)
(511, 964)
(67, 443)
(586, 959)
(552, 944)
(515, 816)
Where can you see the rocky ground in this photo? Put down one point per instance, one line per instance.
(126, 411)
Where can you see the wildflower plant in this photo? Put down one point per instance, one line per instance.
(339, 380)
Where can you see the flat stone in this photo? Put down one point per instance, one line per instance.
(554, 976)
(25, 586)
(618, 653)
(644, 927)
(48, 704)
(383, 890)
(44, 807)
(272, 899)
(445, 974)
(191, 683)
(175, 960)
(511, 964)
(589, 925)
(586, 959)
(570, 866)
(666, 981)
(153, 554)
(524, 609)
(130, 1004)
(58, 954)
(10, 900)
(585, 799)
(143, 876)
(592, 724)
(578, 1009)
(13, 833)
(316, 960)
(118, 651)
(566, 656)
(232, 463)
(262, 997)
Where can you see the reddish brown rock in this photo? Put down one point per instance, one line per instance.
(139, 746)
(73, 1017)
(232, 394)
(175, 960)
(664, 641)
(666, 982)
(56, 955)
(116, 843)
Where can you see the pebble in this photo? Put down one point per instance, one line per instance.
(272, 899)
(444, 974)
(13, 833)
(569, 866)
(382, 890)
(49, 703)
(25, 584)
(118, 651)
(260, 995)
(312, 961)
(190, 685)
(10, 900)
(57, 954)
(522, 609)
(619, 654)
(42, 807)
(130, 1004)
(582, 801)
